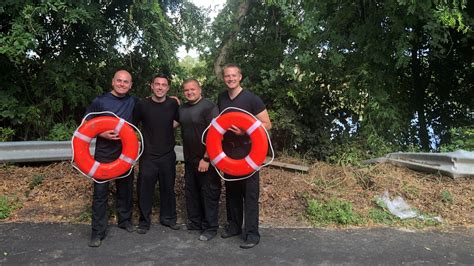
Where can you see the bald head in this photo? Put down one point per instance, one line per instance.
(121, 83)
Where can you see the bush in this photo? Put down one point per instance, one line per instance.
(6, 134)
(461, 139)
(62, 131)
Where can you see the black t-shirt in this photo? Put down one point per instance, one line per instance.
(247, 101)
(194, 118)
(109, 150)
(157, 125)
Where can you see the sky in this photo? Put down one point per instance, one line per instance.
(216, 5)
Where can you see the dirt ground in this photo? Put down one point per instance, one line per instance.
(58, 193)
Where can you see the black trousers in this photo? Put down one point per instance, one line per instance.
(124, 204)
(242, 197)
(202, 191)
(153, 170)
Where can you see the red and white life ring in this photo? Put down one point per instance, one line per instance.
(253, 128)
(90, 129)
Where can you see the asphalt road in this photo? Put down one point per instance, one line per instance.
(28, 243)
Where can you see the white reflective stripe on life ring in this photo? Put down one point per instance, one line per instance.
(218, 158)
(119, 126)
(94, 168)
(252, 163)
(83, 137)
(126, 159)
(254, 127)
(217, 126)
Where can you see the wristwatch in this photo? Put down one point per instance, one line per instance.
(206, 159)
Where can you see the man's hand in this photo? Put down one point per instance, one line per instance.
(109, 134)
(237, 130)
(176, 99)
(203, 166)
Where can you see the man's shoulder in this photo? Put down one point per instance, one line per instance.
(172, 102)
(249, 93)
(208, 102)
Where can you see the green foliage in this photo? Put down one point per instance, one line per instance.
(461, 139)
(56, 56)
(350, 81)
(7, 205)
(6, 134)
(62, 131)
(85, 215)
(37, 180)
(446, 196)
(333, 212)
(382, 216)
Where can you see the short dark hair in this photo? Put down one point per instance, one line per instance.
(231, 65)
(161, 75)
(186, 81)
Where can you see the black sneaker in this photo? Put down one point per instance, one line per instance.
(227, 234)
(174, 226)
(192, 227)
(207, 235)
(95, 242)
(142, 230)
(128, 227)
(249, 243)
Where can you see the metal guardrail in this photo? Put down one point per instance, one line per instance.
(454, 164)
(49, 151)
(46, 151)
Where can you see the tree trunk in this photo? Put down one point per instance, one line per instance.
(241, 12)
(419, 90)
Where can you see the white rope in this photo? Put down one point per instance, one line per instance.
(117, 127)
(266, 132)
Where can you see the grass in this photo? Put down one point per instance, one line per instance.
(37, 180)
(86, 215)
(446, 196)
(7, 205)
(333, 212)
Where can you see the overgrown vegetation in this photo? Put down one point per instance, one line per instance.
(342, 82)
(7, 206)
(333, 212)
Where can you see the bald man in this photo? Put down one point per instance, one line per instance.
(108, 149)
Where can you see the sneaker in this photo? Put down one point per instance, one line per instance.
(249, 243)
(142, 230)
(227, 234)
(172, 226)
(207, 235)
(95, 242)
(128, 227)
(192, 227)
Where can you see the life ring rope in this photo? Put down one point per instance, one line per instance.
(249, 131)
(122, 157)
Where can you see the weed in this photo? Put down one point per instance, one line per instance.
(335, 211)
(382, 216)
(410, 190)
(37, 180)
(86, 215)
(365, 181)
(446, 196)
(7, 206)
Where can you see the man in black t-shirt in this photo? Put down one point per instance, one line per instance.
(158, 116)
(202, 184)
(108, 148)
(241, 196)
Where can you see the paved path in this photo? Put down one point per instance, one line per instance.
(67, 244)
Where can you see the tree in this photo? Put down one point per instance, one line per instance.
(56, 55)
